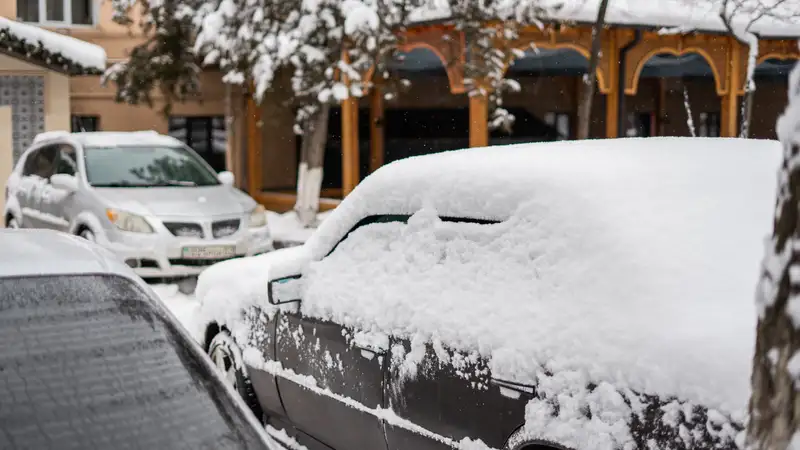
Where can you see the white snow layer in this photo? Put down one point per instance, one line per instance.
(686, 15)
(80, 52)
(628, 264)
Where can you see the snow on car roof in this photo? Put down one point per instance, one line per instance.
(115, 138)
(42, 252)
(632, 261)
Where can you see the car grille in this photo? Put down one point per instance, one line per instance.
(224, 228)
(184, 229)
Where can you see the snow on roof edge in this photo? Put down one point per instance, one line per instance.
(86, 57)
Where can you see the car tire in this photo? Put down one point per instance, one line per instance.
(88, 235)
(226, 357)
(12, 223)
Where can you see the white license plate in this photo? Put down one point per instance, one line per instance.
(210, 252)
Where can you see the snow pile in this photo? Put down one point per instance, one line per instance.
(287, 228)
(627, 262)
(80, 52)
(686, 15)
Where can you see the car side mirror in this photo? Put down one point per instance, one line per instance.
(226, 178)
(64, 181)
(285, 290)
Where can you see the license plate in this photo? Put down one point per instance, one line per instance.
(210, 252)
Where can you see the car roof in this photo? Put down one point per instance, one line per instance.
(109, 138)
(46, 252)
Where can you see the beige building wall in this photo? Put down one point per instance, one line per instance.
(6, 151)
(56, 91)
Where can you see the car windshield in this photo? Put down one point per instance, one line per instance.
(90, 362)
(146, 166)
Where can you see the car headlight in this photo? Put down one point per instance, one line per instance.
(126, 221)
(258, 217)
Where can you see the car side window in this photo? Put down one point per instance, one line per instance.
(66, 162)
(41, 162)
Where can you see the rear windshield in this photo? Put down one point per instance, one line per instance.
(88, 362)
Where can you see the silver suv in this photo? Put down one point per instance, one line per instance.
(146, 197)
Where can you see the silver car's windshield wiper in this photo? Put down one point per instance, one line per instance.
(172, 183)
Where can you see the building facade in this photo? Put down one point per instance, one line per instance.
(650, 83)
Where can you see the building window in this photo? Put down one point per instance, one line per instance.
(85, 123)
(66, 12)
(708, 125)
(205, 135)
(560, 122)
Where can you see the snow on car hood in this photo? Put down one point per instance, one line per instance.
(178, 201)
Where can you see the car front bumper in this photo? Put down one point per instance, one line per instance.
(161, 256)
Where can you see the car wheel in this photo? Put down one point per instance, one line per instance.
(12, 223)
(225, 355)
(88, 235)
(187, 286)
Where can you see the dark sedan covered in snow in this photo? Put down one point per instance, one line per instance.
(590, 295)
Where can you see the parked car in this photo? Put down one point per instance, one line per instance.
(90, 358)
(583, 295)
(147, 197)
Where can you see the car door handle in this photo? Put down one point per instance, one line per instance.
(513, 389)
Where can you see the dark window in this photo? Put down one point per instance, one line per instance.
(85, 123)
(54, 11)
(41, 162)
(77, 12)
(82, 12)
(205, 135)
(708, 124)
(67, 160)
(92, 362)
(28, 10)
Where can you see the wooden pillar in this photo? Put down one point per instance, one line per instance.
(350, 163)
(376, 130)
(254, 143)
(478, 121)
(730, 100)
(611, 55)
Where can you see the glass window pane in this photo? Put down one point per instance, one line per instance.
(82, 12)
(28, 10)
(55, 10)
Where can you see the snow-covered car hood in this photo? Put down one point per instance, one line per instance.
(178, 201)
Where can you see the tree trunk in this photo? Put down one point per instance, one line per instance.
(589, 81)
(309, 172)
(747, 112)
(775, 401)
(688, 107)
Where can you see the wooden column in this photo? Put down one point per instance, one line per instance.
(478, 121)
(350, 163)
(730, 100)
(611, 55)
(376, 130)
(254, 143)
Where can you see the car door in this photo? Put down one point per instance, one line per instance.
(453, 396)
(57, 205)
(340, 383)
(35, 175)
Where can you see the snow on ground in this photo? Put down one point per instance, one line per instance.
(81, 52)
(287, 228)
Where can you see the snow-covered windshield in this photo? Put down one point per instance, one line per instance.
(146, 166)
(89, 361)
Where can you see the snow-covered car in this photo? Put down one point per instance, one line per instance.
(90, 358)
(147, 197)
(585, 295)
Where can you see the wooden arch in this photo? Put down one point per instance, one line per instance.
(578, 39)
(714, 49)
(445, 42)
